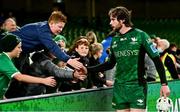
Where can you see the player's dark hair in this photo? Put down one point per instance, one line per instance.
(121, 13)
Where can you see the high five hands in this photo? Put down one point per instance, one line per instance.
(80, 74)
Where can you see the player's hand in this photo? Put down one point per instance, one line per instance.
(49, 81)
(78, 75)
(165, 91)
(109, 83)
(75, 63)
(179, 76)
(82, 70)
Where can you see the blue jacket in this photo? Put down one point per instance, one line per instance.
(38, 36)
(106, 44)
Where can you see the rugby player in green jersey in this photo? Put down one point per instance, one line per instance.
(128, 48)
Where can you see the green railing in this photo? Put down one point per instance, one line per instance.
(86, 100)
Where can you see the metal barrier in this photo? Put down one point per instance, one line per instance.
(85, 100)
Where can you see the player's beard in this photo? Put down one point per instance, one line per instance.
(117, 28)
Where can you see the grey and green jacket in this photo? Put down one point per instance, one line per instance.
(43, 66)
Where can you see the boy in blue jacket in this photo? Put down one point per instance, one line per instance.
(35, 37)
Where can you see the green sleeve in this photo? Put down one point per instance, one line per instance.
(9, 69)
(148, 45)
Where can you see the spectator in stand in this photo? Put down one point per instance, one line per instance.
(98, 78)
(155, 39)
(61, 41)
(172, 49)
(11, 47)
(80, 49)
(38, 36)
(9, 25)
(178, 60)
(167, 59)
(91, 37)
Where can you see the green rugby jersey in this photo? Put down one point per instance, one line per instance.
(7, 71)
(129, 50)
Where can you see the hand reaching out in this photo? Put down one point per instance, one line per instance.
(82, 70)
(75, 63)
(49, 81)
(109, 83)
(79, 75)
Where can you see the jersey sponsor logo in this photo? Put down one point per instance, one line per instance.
(123, 39)
(133, 40)
(153, 48)
(114, 104)
(114, 44)
(126, 53)
(140, 102)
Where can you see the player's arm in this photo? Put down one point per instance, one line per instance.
(160, 69)
(164, 91)
(104, 66)
(153, 53)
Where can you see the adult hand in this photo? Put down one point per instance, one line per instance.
(49, 81)
(82, 70)
(165, 91)
(75, 63)
(179, 76)
(109, 82)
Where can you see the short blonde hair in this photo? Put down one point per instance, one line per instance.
(57, 16)
(94, 48)
(91, 36)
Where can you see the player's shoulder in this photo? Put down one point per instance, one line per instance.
(139, 30)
